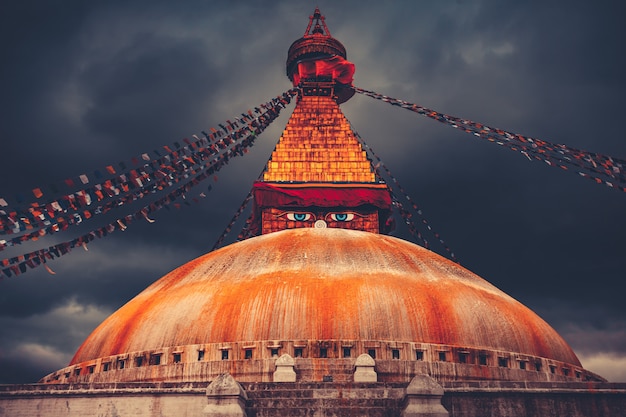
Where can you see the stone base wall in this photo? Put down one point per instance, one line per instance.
(520, 399)
(329, 399)
(103, 400)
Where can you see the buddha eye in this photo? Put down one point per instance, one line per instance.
(299, 217)
(341, 217)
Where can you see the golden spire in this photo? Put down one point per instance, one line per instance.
(318, 145)
(318, 174)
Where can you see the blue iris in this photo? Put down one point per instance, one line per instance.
(300, 216)
(341, 217)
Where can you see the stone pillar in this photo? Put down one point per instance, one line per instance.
(284, 369)
(423, 398)
(226, 398)
(365, 369)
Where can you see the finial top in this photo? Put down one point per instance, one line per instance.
(316, 43)
(320, 27)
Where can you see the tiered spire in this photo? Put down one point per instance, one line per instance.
(318, 145)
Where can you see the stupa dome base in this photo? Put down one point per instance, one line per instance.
(324, 297)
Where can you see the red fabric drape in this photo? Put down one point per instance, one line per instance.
(341, 70)
(269, 195)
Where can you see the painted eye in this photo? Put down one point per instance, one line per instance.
(299, 217)
(342, 217)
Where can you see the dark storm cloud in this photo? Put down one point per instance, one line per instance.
(88, 84)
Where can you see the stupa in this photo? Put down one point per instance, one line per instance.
(322, 312)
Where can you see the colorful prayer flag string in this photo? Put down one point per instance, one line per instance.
(20, 264)
(138, 184)
(246, 231)
(243, 234)
(239, 121)
(599, 168)
(231, 224)
(406, 214)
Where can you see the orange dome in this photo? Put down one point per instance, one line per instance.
(324, 284)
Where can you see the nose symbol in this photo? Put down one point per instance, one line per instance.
(320, 224)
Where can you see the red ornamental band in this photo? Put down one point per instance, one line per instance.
(274, 195)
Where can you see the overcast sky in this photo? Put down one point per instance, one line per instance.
(86, 84)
